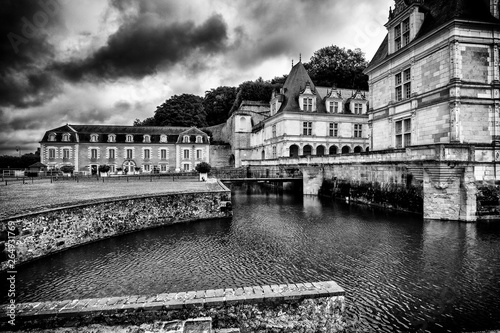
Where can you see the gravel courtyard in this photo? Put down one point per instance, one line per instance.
(18, 198)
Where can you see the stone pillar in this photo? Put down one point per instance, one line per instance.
(449, 192)
(312, 179)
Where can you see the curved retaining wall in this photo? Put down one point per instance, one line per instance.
(301, 307)
(38, 234)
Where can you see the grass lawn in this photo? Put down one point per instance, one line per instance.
(18, 198)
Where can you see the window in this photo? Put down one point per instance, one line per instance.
(111, 138)
(65, 137)
(274, 151)
(403, 85)
(199, 154)
(274, 131)
(199, 139)
(334, 129)
(185, 138)
(94, 137)
(130, 154)
(147, 167)
(93, 153)
(307, 104)
(331, 107)
(358, 108)
(130, 138)
(52, 137)
(163, 167)
(66, 154)
(403, 133)
(147, 154)
(163, 138)
(112, 168)
(52, 153)
(358, 132)
(402, 34)
(146, 138)
(186, 154)
(111, 154)
(186, 167)
(163, 154)
(307, 128)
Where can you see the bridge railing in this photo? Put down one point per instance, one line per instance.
(256, 172)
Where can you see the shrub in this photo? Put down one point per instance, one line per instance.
(104, 168)
(67, 168)
(203, 167)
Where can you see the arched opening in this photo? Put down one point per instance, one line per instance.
(333, 150)
(307, 151)
(358, 149)
(320, 151)
(294, 151)
(367, 149)
(263, 154)
(129, 166)
(346, 150)
(232, 160)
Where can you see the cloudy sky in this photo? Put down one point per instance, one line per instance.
(112, 61)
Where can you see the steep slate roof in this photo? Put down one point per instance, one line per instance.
(439, 12)
(294, 84)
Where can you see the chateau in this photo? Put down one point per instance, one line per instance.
(435, 77)
(300, 120)
(149, 149)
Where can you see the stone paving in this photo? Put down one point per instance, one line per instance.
(21, 198)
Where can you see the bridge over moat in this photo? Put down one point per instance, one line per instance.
(450, 175)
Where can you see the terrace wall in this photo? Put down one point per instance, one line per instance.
(39, 234)
(301, 307)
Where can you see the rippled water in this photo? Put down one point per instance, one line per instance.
(400, 273)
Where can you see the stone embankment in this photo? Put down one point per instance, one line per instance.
(301, 307)
(45, 232)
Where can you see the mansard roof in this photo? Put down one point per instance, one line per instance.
(81, 133)
(437, 13)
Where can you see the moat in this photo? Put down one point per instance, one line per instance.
(400, 273)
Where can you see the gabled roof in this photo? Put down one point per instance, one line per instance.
(37, 165)
(437, 13)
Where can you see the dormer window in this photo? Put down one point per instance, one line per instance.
(52, 137)
(199, 139)
(146, 138)
(94, 137)
(65, 137)
(402, 34)
(129, 138)
(185, 139)
(358, 108)
(307, 104)
(163, 138)
(111, 138)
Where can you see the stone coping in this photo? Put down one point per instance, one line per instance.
(84, 203)
(173, 301)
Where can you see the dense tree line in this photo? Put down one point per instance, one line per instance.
(329, 66)
(18, 162)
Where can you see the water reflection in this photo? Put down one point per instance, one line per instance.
(400, 273)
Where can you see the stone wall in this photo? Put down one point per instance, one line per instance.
(42, 233)
(301, 307)
(220, 155)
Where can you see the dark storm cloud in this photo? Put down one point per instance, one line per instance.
(146, 44)
(24, 49)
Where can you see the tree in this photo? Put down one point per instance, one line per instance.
(333, 65)
(203, 167)
(217, 104)
(16, 162)
(146, 122)
(67, 168)
(257, 90)
(182, 110)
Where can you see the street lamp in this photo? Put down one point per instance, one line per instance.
(18, 149)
